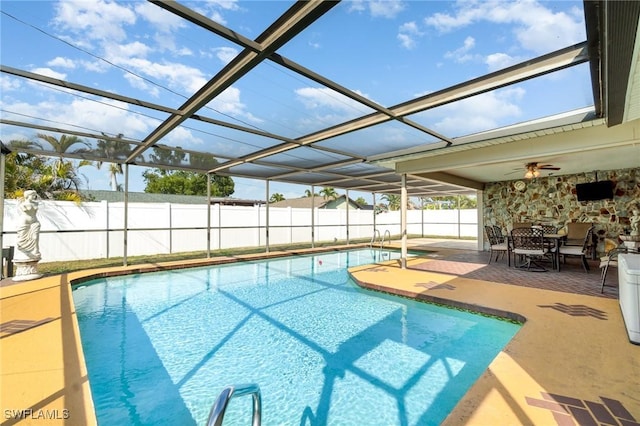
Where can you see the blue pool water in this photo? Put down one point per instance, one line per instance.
(160, 347)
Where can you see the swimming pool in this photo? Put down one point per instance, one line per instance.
(160, 347)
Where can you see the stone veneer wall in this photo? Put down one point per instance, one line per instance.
(553, 200)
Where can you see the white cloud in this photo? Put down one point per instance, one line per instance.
(231, 5)
(357, 6)
(226, 54)
(378, 8)
(462, 54)
(407, 33)
(544, 31)
(161, 19)
(104, 115)
(385, 8)
(216, 16)
(49, 73)
(537, 28)
(119, 53)
(315, 98)
(179, 77)
(478, 113)
(95, 66)
(165, 24)
(181, 136)
(94, 19)
(410, 27)
(498, 61)
(445, 22)
(229, 103)
(9, 83)
(84, 113)
(141, 84)
(406, 41)
(62, 63)
(327, 107)
(214, 9)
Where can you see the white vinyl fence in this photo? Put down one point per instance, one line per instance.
(94, 230)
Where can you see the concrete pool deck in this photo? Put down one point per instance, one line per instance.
(571, 363)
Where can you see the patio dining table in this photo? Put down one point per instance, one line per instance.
(555, 239)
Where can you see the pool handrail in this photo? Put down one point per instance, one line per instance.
(376, 232)
(387, 232)
(216, 415)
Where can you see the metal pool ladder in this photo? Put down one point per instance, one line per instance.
(387, 232)
(376, 233)
(216, 415)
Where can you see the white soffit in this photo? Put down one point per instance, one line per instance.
(560, 123)
(632, 109)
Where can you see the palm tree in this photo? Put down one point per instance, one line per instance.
(393, 201)
(63, 144)
(276, 197)
(64, 181)
(329, 192)
(113, 150)
(308, 193)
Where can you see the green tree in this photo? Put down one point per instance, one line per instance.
(449, 202)
(164, 181)
(184, 182)
(276, 197)
(361, 201)
(393, 201)
(308, 193)
(50, 178)
(64, 173)
(466, 202)
(329, 193)
(166, 156)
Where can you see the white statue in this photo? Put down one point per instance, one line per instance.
(27, 253)
(635, 222)
(29, 228)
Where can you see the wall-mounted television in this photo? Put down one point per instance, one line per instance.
(592, 191)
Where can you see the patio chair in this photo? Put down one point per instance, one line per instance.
(495, 245)
(521, 225)
(498, 233)
(578, 251)
(528, 243)
(549, 229)
(611, 259)
(576, 232)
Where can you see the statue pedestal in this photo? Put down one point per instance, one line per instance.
(26, 269)
(631, 241)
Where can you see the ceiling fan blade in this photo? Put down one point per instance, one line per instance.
(548, 168)
(514, 171)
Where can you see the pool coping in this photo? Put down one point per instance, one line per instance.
(559, 366)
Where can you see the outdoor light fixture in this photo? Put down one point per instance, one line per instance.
(533, 169)
(531, 173)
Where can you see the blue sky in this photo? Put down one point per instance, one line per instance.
(387, 51)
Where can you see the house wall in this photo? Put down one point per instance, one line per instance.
(340, 204)
(553, 199)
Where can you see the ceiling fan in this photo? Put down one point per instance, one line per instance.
(533, 169)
